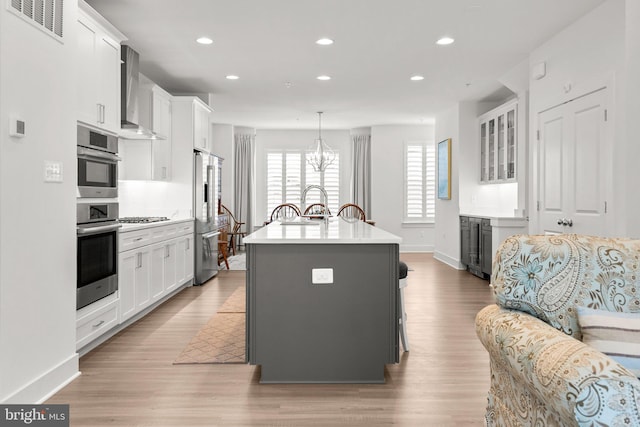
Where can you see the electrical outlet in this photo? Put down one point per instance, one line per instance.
(322, 276)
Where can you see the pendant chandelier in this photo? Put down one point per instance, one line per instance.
(320, 155)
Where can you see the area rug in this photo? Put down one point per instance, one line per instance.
(238, 261)
(222, 339)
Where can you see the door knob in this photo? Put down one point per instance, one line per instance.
(568, 222)
(561, 221)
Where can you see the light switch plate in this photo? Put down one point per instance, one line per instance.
(52, 171)
(322, 276)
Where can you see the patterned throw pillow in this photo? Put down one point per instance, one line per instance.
(615, 334)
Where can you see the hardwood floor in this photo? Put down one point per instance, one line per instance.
(443, 381)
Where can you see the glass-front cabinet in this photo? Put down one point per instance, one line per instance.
(498, 144)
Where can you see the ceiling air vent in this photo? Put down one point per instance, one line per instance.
(44, 14)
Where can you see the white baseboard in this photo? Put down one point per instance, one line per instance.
(47, 384)
(452, 262)
(416, 248)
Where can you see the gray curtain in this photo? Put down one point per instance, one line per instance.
(243, 179)
(361, 172)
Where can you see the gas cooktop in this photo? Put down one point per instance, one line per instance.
(142, 219)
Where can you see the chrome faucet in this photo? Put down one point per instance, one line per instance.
(323, 195)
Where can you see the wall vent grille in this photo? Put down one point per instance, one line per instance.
(44, 14)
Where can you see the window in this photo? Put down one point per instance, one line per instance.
(420, 182)
(288, 173)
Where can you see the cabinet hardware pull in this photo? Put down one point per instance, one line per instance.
(98, 324)
(138, 239)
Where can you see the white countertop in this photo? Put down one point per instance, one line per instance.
(139, 226)
(338, 230)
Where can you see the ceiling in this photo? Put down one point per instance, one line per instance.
(379, 45)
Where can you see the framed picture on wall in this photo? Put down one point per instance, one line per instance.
(444, 169)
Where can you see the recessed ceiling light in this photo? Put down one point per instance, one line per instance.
(324, 42)
(417, 78)
(324, 78)
(232, 77)
(445, 41)
(204, 40)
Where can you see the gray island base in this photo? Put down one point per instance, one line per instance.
(301, 329)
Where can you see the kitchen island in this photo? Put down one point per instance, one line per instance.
(322, 301)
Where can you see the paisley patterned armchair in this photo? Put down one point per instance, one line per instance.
(541, 372)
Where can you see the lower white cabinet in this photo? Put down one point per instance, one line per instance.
(134, 281)
(149, 272)
(184, 260)
(96, 319)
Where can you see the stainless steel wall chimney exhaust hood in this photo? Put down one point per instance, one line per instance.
(129, 98)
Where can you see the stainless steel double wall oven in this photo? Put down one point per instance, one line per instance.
(97, 216)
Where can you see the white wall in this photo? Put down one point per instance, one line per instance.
(583, 57)
(447, 229)
(173, 199)
(222, 146)
(338, 140)
(387, 184)
(37, 219)
(628, 161)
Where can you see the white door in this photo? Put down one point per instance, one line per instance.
(574, 167)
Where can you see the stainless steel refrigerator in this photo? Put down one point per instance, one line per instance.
(206, 199)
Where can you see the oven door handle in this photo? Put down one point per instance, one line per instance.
(86, 153)
(100, 229)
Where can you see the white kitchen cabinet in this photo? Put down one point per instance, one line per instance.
(134, 281)
(498, 142)
(158, 254)
(191, 120)
(158, 259)
(184, 259)
(149, 159)
(96, 319)
(98, 62)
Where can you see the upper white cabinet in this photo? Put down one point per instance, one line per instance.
(191, 121)
(498, 142)
(149, 159)
(98, 65)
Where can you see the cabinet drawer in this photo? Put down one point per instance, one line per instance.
(184, 228)
(94, 324)
(134, 239)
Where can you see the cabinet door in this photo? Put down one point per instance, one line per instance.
(87, 105)
(184, 260)
(484, 166)
(127, 265)
(143, 279)
(201, 127)
(157, 271)
(189, 259)
(465, 240)
(491, 150)
(162, 147)
(501, 155)
(486, 254)
(170, 265)
(474, 243)
(108, 56)
(511, 142)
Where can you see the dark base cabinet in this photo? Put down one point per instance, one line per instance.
(476, 252)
